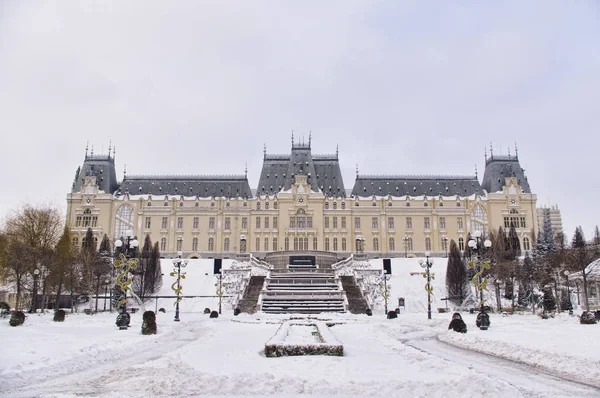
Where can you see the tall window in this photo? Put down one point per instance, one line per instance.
(459, 224)
(148, 222)
(165, 220)
(179, 222)
(445, 243)
(244, 222)
(257, 245)
(335, 243)
(243, 245)
(391, 223)
(195, 244)
(196, 222)
(287, 244)
(266, 244)
(75, 241)
(426, 224)
(226, 244)
(409, 244)
(227, 223)
(334, 205)
(257, 205)
(211, 244)
(266, 205)
(526, 245)
(78, 222)
(428, 244)
(309, 223)
(301, 222)
(326, 244)
(266, 222)
(335, 225)
(292, 222)
(87, 217)
(343, 222)
(392, 244)
(305, 243)
(123, 220)
(356, 222)
(522, 222)
(275, 239)
(461, 244)
(275, 205)
(375, 244)
(95, 221)
(296, 243)
(257, 222)
(211, 223)
(179, 244)
(442, 222)
(314, 243)
(326, 222)
(374, 223)
(163, 244)
(408, 223)
(343, 242)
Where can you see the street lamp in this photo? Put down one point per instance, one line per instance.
(445, 241)
(498, 302)
(568, 293)
(36, 273)
(405, 246)
(480, 266)
(386, 293)
(106, 283)
(427, 265)
(178, 263)
(127, 260)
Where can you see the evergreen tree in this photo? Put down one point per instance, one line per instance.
(549, 302)
(65, 257)
(457, 284)
(596, 239)
(579, 257)
(140, 285)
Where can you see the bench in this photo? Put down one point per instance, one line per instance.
(443, 310)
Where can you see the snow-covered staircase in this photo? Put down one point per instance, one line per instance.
(303, 289)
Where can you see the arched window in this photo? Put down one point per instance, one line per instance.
(266, 205)
(335, 242)
(75, 241)
(257, 245)
(163, 244)
(326, 244)
(513, 211)
(123, 220)
(315, 243)
(445, 243)
(211, 244)
(344, 248)
(275, 239)
(195, 244)
(375, 244)
(409, 244)
(87, 218)
(334, 205)
(266, 244)
(305, 243)
(392, 244)
(461, 244)
(257, 205)
(275, 205)
(343, 205)
(526, 244)
(428, 244)
(226, 245)
(287, 244)
(179, 244)
(242, 245)
(296, 243)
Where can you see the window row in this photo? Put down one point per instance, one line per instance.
(211, 223)
(87, 220)
(516, 222)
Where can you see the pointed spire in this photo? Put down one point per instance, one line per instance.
(485, 154)
(114, 151)
(509, 151)
(87, 144)
(124, 171)
(292, 138)
(246, 171)
(337, 151)
(109, 147)
(309, 138)
(356, 170)
(516, 150)
(92, 153)
(476, 175)
(491, 150)
(265, 150)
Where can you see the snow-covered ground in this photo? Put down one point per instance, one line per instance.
(520, 355)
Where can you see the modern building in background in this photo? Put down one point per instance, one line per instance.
(301, 203)
(550, 216)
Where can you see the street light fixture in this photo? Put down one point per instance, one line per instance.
(178, 263)
(405, 246)
(427, 265)
(445, 240)
(127, 260)
(36, 273)
(480, 266)
(106, 283)
(567, 273)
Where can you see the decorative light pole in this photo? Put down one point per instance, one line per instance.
(106, 283)
(569, 305)
(36, 273)
(445, 241)
(405, 246)
(427, 265)
(498, 302)
(178, 263)
(479, 266)
(43, 275)
(220, 285)
(126, 262)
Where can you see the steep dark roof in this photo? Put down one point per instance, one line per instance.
(201, 186)
(323, 171)
(100, 166)
(497, 168)
(416, 185)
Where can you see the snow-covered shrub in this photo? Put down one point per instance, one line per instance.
(237, 311)
(207, 311)
(478, 320)
(548, 301)
(149, 323)
(17, 318)
(59, 315)
(4, 306)
(162, 310)
(120, 316)
(369, 312)
(214, 314)
(392, 315)
(587, 318)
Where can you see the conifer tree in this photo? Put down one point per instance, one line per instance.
(579, 257)
(64, 262)
(456, 276)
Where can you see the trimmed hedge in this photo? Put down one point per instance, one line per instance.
(214, 314)
(207, 311)
(587, 318)
(59, 316)
(392, 315)
(17, 318)
(149, 323)
(118, 321)
(237, 311)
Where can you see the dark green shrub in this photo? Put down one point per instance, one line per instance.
(214, 314)
(237, 311)
(162, 310)
(369, 312)
(120, 316)
(587, 318)
(4, 306)
(59, 316)
(392, 315)
(17, 318)
(207, 311)
(486, 322)
(149, 323)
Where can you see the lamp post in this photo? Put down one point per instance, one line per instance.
(427, 265)
(127, 260)
(36, 273)
(43, 275)
(570, 307)
(405, 246)
(386, 292)
(445, 241)
(178, 263)
(498, 302)
(480, 266)
(106, 283)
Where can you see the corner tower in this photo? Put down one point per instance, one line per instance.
(500, 167)
(100, 166)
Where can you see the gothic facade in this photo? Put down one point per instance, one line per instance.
(300, 204)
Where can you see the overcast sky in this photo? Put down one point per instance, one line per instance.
(198, 87)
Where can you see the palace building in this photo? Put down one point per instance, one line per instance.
(301, 204)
